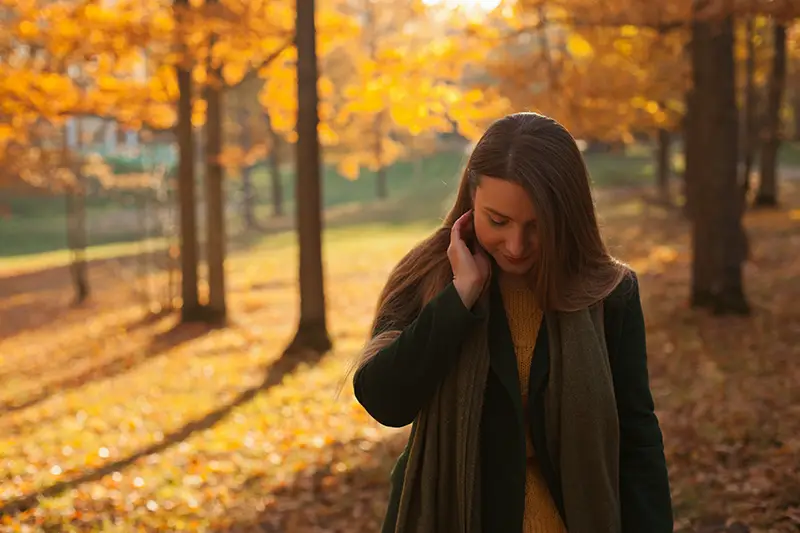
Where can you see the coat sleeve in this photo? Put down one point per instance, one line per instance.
(644, 484)
(401, 378)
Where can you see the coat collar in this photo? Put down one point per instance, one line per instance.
(503, 359)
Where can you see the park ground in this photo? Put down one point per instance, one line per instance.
(117, 420)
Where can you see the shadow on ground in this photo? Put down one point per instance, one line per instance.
(273, 376)
(319, 499)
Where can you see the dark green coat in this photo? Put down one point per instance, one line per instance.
(400, 379)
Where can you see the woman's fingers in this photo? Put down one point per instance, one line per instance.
(458, 226)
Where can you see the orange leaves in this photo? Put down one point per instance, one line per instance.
(579, 47)
(25, 92)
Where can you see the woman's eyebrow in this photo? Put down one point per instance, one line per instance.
(501, 215)
(496, 212)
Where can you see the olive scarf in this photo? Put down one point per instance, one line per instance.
(441, 491)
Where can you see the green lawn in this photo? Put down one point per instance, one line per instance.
(38, 224)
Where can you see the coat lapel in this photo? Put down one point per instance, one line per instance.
(540, 374)
(503, 361)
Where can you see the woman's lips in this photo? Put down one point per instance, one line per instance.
(515, 260)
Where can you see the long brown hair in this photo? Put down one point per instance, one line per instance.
(574, 270)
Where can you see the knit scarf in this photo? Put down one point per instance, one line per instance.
(441, 490)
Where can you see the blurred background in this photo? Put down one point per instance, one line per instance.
(201, 200)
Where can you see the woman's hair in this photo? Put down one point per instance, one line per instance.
(574, 269)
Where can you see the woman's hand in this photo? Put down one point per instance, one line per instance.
(470, 270)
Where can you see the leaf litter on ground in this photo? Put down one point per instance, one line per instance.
(112, 420)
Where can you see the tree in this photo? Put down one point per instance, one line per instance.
(75, 195)
(215, 197)
(312, 330)
(767, 194)
(718, 238)
(191, 310)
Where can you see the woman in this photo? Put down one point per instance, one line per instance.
(515, 344)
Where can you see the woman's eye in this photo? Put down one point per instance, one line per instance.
(494, 222)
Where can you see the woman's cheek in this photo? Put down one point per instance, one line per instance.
(487, 236)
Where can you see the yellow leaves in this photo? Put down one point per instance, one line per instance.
(96, 14)
(650, 106)
(232, 157)
(163, 22)
(160, 116)
(349, 167)
(107, 83)
(199, 74)
(27, 29)
(578, 46)
(67, 27)
(234, 71)
(165, 81)
(623, 46)
(199, 108)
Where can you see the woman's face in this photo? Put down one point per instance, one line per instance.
(505, 224)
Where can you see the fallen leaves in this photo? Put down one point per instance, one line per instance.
(112, 421)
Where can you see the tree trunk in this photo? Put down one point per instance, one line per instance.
(312, 332)
(664, 166)
(748, 129)
(215, 200)
(75, 203)
(697, 171)
(768, 185)
(191, 310)
(275, 168)
(730, 240)
(76, 239)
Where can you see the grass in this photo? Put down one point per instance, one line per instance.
(112, 420)
(38, 224)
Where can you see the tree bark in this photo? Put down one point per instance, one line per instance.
(76, 239)
(75, 204)
(697, 132)
(730, 240)
(767, 195)
(191, 310)
(312, 332)
(215, 200)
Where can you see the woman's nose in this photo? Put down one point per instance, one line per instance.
(515, 245)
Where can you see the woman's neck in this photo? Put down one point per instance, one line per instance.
(516, 281)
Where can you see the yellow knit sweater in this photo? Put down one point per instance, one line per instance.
(524, 319)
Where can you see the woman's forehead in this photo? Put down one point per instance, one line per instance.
(504, 198)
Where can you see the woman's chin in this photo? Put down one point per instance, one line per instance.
(514, 268)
